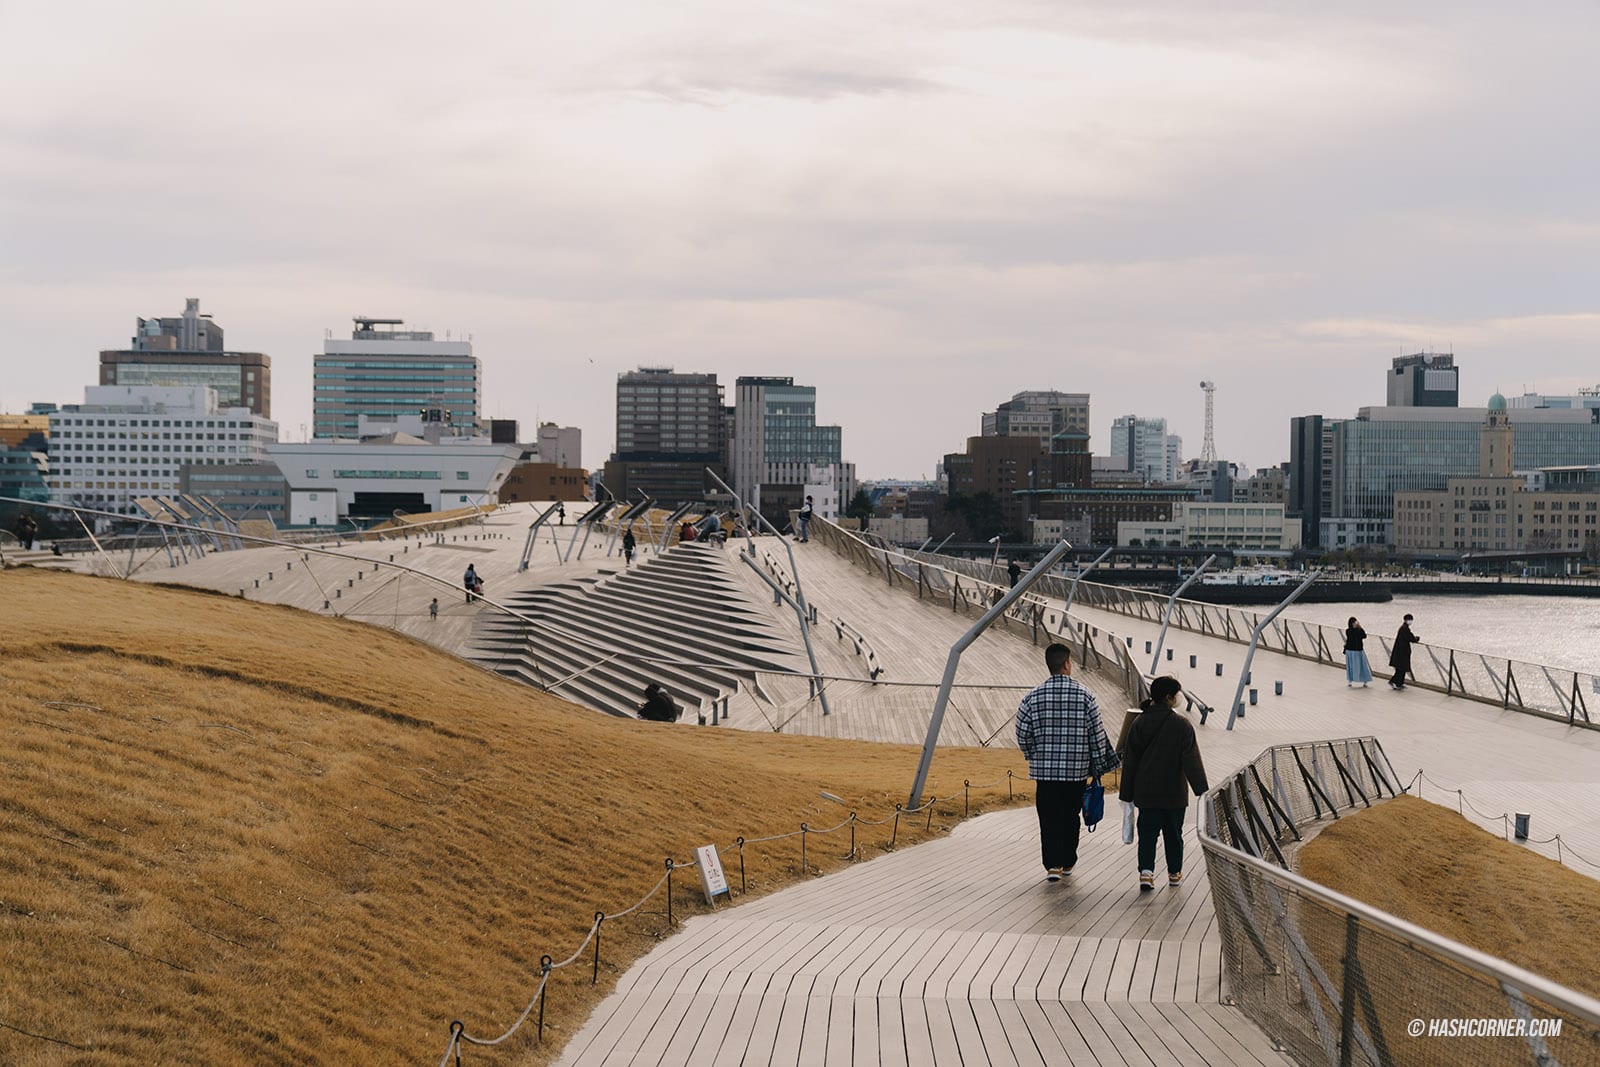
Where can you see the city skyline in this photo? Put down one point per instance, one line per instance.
(918, 209)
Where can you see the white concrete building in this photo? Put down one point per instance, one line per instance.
(561, 445)
(334, 481)
(129, 441)
(1205, 525)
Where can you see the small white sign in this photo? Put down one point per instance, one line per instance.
(711, 877)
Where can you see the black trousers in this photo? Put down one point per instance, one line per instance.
(1060, 806)
(1168, 822)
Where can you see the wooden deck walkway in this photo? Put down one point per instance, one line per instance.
(952, 952)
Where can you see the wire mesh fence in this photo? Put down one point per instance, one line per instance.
(1337, 982)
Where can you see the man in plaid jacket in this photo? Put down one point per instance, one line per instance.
(1059, 730)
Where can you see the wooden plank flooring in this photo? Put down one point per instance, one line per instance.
(956, 951)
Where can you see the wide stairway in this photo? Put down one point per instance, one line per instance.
(680, 619)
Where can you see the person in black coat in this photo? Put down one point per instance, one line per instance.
(1014, 572)
(628, 545)
(658, 706)
(1400, 658)
(1162, 756)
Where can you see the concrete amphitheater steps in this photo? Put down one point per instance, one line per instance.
(606, 638)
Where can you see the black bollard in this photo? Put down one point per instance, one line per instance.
(1277, 689)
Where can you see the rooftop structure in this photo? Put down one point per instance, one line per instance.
(1040, 413)
(1424, 380)
(189, 351)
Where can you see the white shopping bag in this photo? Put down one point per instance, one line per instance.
(1127, 822)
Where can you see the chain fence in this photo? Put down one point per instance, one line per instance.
(1338, 982)
(459, 1037)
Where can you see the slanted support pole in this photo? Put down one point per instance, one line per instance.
(1073, 592)
(1161, 639)
(942, 701)
(1255, 639)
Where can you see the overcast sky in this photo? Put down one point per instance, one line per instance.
(919, 208)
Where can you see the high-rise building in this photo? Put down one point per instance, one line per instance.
(1424, 380)
(126, 442)
(384, 372)
(669, 430)
(188, 351)
(1041, 413)
(781, 455)
(1174, 445)
(1143, 443)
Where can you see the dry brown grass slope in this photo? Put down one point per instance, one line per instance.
(237, 833)
(1429, 866)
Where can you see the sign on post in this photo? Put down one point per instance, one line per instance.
(711, 877)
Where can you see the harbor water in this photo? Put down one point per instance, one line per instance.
(1555, 631)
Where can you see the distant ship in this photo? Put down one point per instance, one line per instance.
(1269, 585)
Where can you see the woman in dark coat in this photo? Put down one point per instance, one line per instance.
(1400, 658)
(1162, 754)
(1357, 671)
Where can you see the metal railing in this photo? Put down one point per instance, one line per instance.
(1516, 685)
(460, 1039)
(1338, 982)
(973, 587)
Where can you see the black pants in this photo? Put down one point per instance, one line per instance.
(1060, 807)
(1167, 822)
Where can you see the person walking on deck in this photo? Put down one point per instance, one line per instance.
(628, 544)
(1400, 658)
(806, 510)
(1014, 572)
(1161, 755)
(470, 580)
(1059, 731)
(1357, 671)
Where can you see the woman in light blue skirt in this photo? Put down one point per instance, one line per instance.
(1357, 671)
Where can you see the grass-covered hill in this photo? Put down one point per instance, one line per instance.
(238, 833)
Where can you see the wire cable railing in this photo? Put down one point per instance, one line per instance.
(536, 1003)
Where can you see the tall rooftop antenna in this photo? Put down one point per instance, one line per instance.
(1208, 451)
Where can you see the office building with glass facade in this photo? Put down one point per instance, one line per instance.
(779, 450)
(384, 373)
(1384, 451)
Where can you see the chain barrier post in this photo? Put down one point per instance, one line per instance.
(743, 886)
(457, 1028)
(804, 830)
(544, 984)
(931, 802)
(669, 892)
(895, 832)
(852, 836)
(966, 797)
(599, 918)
